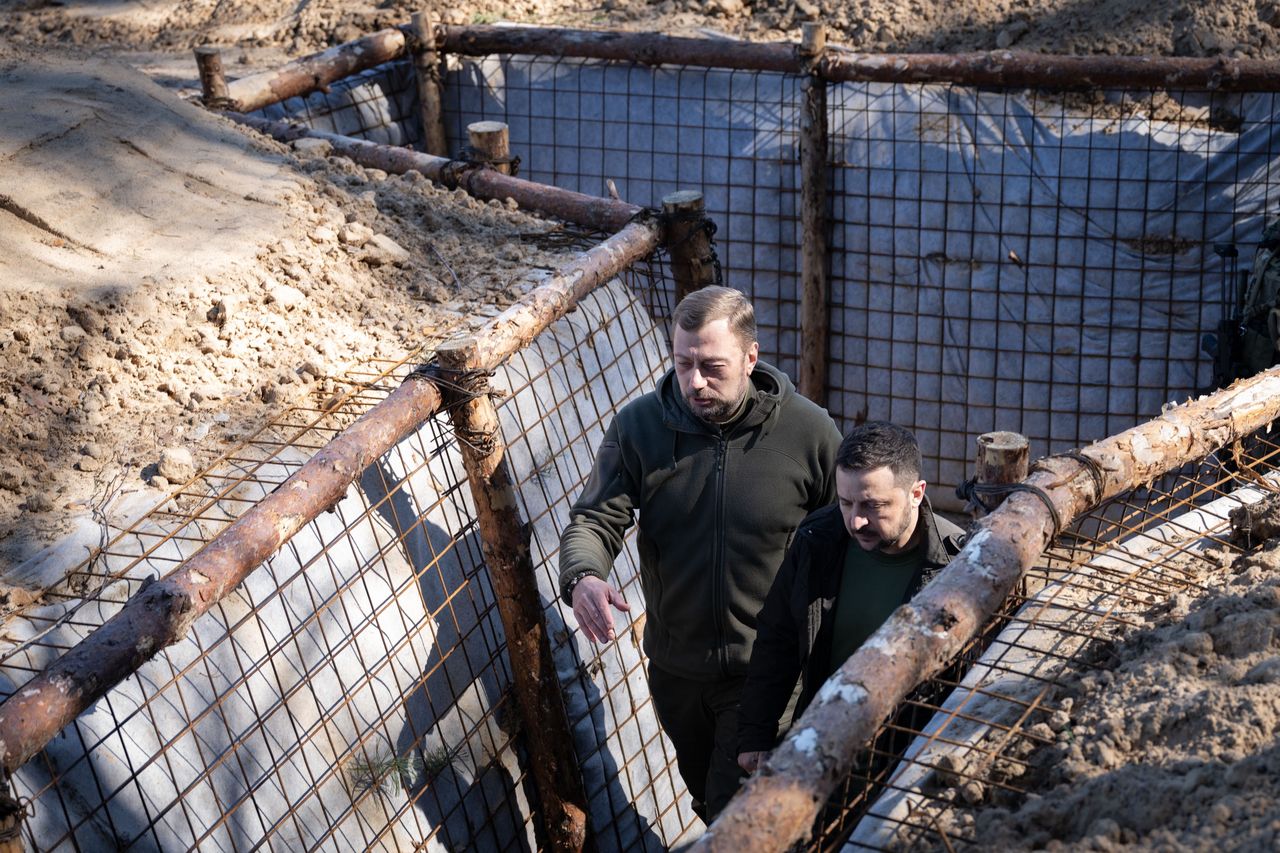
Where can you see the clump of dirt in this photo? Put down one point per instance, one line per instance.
(1169, 741)
(1240, 28)
(179, 280)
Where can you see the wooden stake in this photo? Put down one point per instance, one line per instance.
(815, 319)
(426, 69)
(316, 71)
(213, 82)
(688, 240)
(505, 542)
(1002, 459)
(491, 144)
(12, 814)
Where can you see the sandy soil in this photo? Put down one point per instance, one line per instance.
(1167, 27)
(1168, 741)
(169, 281)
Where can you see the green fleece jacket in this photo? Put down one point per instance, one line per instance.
(716, 509)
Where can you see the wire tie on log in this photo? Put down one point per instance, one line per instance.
(1093, 466)
(971, 487)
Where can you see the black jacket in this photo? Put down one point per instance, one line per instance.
(716, 513)
(794, 628)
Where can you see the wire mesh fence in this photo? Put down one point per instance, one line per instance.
(355, 692)
(971, 734)
(1053, 263)
(1038, 262)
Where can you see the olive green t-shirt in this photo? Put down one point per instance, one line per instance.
(873, 586)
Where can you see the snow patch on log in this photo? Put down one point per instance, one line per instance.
(806, 742)
(979, 562)
(837, 690)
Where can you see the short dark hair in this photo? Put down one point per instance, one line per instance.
(877, 444)
(718, 303)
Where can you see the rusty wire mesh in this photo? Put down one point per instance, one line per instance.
(355, 691)
(975, 722)
(1052, 263)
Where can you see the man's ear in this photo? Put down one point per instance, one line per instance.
(753, 355)
(917, 493)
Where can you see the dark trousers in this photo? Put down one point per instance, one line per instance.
(701, 719)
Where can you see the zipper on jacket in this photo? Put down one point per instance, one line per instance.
(719, 581)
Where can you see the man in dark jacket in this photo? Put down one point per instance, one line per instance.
(850, 566)
(721, 462)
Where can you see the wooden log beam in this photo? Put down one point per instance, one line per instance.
(515, 327)
(160, 613)
(778, 805)
(316, 71)
(504, 540)
(1021, 68)
(644, 48)
(995, 68)
(590, 211)
(815, 320)
(426, 69)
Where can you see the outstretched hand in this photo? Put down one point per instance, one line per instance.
(750, 761)
(592, 598)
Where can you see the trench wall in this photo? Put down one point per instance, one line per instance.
(1051, 264)
(355, 692)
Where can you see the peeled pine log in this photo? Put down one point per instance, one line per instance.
(591, 211)
(316, 71)
(160, 613)
(779, 804)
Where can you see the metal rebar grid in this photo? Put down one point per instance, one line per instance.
(974, 728)
(732, 135)
(1052, 263)
(378, 105)
(354, 692)
(351, 694)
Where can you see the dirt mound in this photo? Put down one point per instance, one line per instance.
(1168, 742)
(1138, 27)
(169, 280)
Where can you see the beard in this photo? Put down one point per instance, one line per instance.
(883, 542)
(713, 410)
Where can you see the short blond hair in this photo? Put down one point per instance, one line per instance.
(718, 303)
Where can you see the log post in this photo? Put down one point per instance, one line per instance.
(815, 320)
(490, 143)
(213, 80)
(426, 70)
(687, 239)
(505, 544)
(1002, 459)
(12, 813)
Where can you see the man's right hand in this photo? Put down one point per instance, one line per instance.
(750, 761)
(591, 600)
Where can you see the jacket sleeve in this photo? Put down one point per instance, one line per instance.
(602, 514)
(828, 444)
(775, 660)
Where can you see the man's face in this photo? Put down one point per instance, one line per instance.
(879, 513)
(713, 369)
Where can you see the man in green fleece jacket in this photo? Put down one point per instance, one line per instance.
(720, 462)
